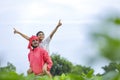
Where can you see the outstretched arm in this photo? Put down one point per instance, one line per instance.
(23, 35)
(53, 32)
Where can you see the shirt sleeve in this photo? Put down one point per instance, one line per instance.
(29, 59)
(47, 40)
(45, 44)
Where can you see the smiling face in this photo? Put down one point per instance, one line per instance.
(40, 35)
(35, 43)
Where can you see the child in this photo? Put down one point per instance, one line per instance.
(42, 43)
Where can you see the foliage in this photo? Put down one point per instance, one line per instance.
(109, 47)
(15, 76)
(8, 68)
(107, 38)
(9, 73)
(60, 65)
(112, 75)
(113, 66)
(78, 69)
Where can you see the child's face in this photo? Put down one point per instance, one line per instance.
(35, 43)
(41, 36)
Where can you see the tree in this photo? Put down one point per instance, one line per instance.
(60, 65)
(113, 66)
(8, 68)
(9, 73)
(78, 69)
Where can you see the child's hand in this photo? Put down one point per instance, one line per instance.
(59, 23)
(45, 68)
(15, 31)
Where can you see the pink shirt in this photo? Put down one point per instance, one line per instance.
(37, 58)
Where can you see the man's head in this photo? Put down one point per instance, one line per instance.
(40, 35)
(33, 42)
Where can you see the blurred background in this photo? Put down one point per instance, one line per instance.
(89, 35)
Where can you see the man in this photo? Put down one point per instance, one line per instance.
(38, 57)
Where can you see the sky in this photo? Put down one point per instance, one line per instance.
(71, 40)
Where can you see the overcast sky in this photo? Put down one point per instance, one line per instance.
(71, 39)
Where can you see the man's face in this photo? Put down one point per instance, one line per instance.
(35, 43)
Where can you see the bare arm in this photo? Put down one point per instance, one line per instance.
(23, 35)
(53, 32)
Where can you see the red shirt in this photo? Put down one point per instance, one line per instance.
(37, 58)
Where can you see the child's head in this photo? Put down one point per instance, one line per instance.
(40, 35)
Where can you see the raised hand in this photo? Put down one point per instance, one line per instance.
(59, 23)
(15, 31)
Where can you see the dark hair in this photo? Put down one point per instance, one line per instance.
(39, 32)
